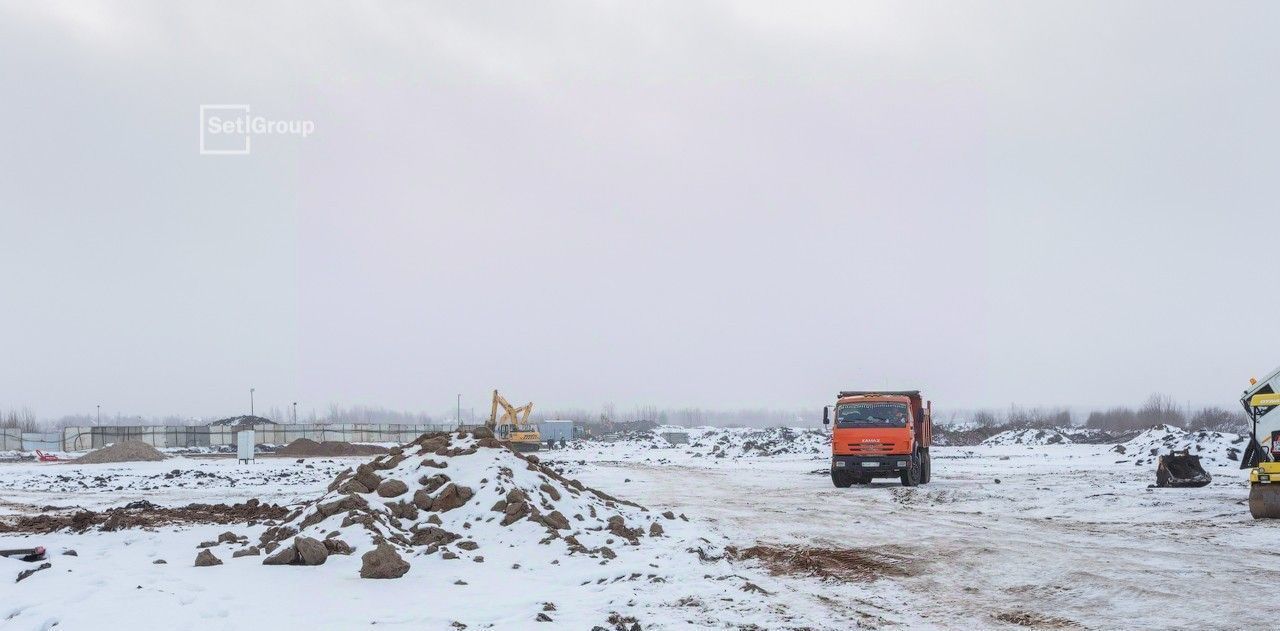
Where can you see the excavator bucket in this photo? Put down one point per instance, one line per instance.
(1180, 469)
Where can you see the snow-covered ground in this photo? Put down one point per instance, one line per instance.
(1006, 536)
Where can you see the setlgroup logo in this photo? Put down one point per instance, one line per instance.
(228, 130)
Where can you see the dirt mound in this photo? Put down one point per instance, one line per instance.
(458, 494)
(142, 514)
(844, 564)
(738, 442)
(1214, 448)
(308, 447)
(127, 451)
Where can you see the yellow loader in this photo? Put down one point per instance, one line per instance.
(1262, 454)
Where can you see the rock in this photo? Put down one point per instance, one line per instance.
(669, 515)
(70, 553)
(542, 617)
(422, 499)
(286, 556)
(382, 562)
(392, 488)
(365, 475)
(310, 551)
(337, 546)
(618, 526)
(607, 552)
(431, 535)
(550, 490)
(25, 573)
(515, 511)
(159, 562)
(228, 537)
(251, 551)
(451, 497)
(206, 559)
(468, 545)
(556, 519)
(499, 506)
(353, 486)
(548, 606)
(478, 559)
(448, 555)
(655, 530)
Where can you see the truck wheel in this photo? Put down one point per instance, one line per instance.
(926, 469)
(841, 479)
(911, 477)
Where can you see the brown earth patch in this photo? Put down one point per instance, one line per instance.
(142, 515)
(126, 451)
(834, 563)
(1035, 620)
(308, 447)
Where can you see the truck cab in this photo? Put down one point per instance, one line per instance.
(883, 434)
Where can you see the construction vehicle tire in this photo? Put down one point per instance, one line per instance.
(841, 479)
(911, 477)
(926, 468)
(1264, 501)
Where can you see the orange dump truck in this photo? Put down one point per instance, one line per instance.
(882, 434)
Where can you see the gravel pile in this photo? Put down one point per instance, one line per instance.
(127, 451)
(455, 495)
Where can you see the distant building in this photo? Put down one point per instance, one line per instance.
(676, 438)
(555, 429)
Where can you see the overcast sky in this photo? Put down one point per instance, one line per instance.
(722, 204)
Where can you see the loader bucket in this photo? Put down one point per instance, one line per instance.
(1180, 469)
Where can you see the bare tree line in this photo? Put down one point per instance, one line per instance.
(1157, 409)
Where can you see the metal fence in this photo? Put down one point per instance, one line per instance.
(182, 436)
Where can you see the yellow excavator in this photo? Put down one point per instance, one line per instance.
(513, 427)
(1262, 454)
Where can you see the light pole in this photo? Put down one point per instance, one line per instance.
(251, 401)
(99, 421)
(295, 412)
(459, 410)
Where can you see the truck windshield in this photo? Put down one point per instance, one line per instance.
(871, 415)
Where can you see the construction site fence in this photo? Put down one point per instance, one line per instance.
(180, 436)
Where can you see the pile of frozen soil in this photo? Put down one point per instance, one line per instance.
(308, 447)
(127, 451)
(454, 496)
(1216, 448)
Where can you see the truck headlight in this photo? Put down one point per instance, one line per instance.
(839, 463)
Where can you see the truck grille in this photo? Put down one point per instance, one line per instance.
(871, 448)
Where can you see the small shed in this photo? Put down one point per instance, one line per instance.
(676, 438)
(556, 429)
